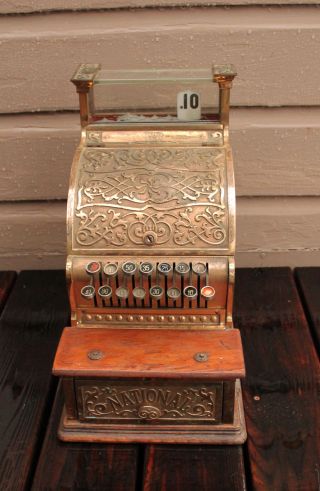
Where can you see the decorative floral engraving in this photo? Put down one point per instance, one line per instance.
(148, 403)
(107, 227)
(94, 137)
(107, 160)
(149, 412)
(177, 193)
(160, 187)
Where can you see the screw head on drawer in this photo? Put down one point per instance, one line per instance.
(95, 354)
(201, 357)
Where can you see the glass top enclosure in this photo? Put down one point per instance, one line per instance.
(153, 75)
(154, 95)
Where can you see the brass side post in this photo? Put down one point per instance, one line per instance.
(224, 75)
(83, 79)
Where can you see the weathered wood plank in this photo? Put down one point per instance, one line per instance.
(89, 466)
(308, 280)
(280, 389)
(32, 6)
(30, 328)
(7, 279)
(276, 153)
(34, 234)
(187, 468)
(273, 51)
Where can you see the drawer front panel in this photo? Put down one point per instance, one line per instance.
(149, 401)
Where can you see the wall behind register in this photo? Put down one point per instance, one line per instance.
(275, 121)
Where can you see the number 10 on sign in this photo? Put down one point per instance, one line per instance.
(188, 106)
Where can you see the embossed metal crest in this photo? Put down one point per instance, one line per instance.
(177, 194)
(148, 401)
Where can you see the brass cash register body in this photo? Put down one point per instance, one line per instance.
(152, 354)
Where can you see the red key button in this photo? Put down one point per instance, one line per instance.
(93, 267)
(208, 292)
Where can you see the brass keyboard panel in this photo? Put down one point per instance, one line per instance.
(172, 291)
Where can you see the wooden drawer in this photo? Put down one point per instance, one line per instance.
(149, 400)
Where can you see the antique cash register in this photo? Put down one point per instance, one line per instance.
(151, 354)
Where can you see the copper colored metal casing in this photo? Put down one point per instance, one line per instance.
(151, 354)
(152, 192)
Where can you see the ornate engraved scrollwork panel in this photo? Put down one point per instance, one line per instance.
(144, 402)
(178, 194)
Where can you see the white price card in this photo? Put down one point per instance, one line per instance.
(188, 106)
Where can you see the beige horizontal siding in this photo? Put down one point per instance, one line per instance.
(270, 230)
(36, 153)
(275, 123)
(276, 153)
(31, 6)
(276, 51)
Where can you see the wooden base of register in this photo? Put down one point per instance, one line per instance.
(164, 386)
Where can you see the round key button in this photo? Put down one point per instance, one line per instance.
(190, 291)
(129, 267)
(173, 292)
(156, 291)
(182, 268)
(93, 267)
(110, 269)
(88, 291)
(105, 291)
(122, 292)
(199, 268)
(139, 292)
(146, 268)
(208, 292)
(164, 268)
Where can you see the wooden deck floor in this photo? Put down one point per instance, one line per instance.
(278, 314)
